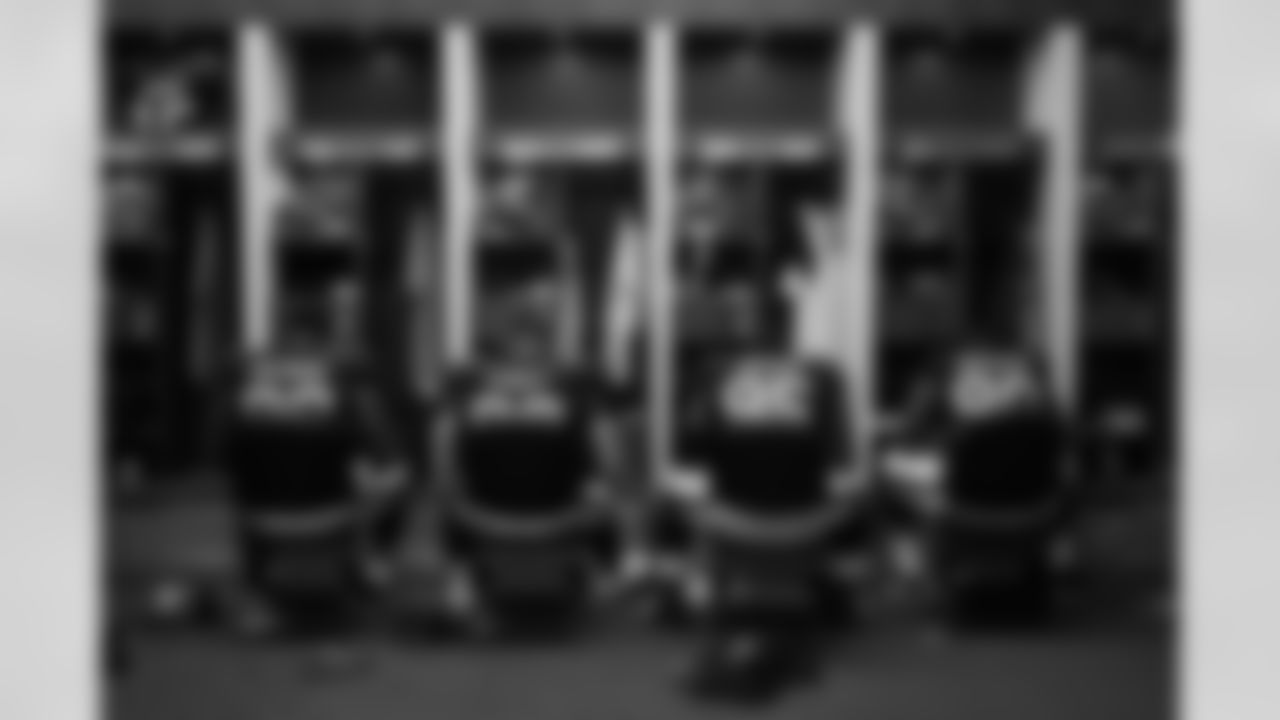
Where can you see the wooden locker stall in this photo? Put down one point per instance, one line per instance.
(171, 242)
(562, 134)
(1128, 263)
(963, 167)
(766, 146)
(355, 236)
(943, 150)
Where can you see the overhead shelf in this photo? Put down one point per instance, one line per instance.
(788, 148)
(923, 147)
(588, 148)
(1131, 148)
(182, 149)
(359, 147)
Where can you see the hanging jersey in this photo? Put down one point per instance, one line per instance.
(984, 385)
(772, 431)
(523, 438)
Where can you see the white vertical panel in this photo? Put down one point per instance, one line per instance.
(661, 93)
(460, 65)
(1055, 110)
(859, 102)
(262, 84)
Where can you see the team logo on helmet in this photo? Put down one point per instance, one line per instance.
(767, 394)
(516, 399)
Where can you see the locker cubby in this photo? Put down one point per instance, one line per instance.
(169, 96)
(319, 258)
(581, 206)
(956, 255)
(171, 296)
(558, 83)
(1129, 321)
(356, 228)
(764, 199)
(758, 80)
(961, 172)
(134, 256)
(759, 115)
(362, 233)
(133, 200)
(921, 260)
(344, 81)
(1128, 415)
(1128, 292)
(170, 243)
(165, 82)
(1129, 81)
(955, 82)
(560, 155)
(170, 114)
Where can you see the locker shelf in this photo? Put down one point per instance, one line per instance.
(348, 80)
(780, 147)
(184, 149)
(328, 148)
(579, 148)
(940, 146)
(1136, 147)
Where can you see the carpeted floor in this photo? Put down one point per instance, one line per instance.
(1115, 663)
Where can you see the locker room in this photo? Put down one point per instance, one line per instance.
(909, 177)
(632, 196)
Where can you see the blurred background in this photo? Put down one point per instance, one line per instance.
(327, 174)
